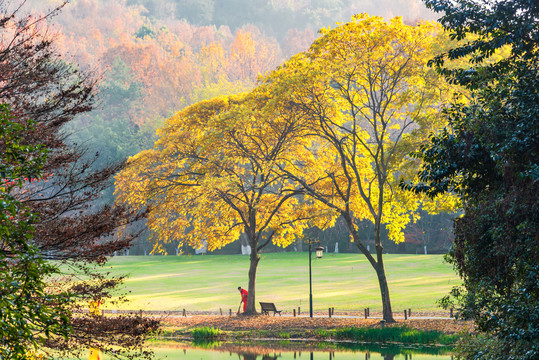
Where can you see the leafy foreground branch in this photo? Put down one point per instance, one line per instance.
(51, 204)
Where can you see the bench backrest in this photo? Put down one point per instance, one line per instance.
(268, 306)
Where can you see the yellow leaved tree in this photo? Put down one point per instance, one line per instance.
(364, 94)
(211, 177)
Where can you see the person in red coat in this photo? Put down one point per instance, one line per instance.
(243, 293)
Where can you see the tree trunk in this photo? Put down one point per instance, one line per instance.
(255, 258)
(377, 264)
(300, 245)
(384, 289)
(381, 273)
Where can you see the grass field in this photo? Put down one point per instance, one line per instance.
(342, 281)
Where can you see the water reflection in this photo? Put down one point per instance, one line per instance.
(288, 350)
(251, 356)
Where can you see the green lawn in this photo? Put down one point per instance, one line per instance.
(342, 281)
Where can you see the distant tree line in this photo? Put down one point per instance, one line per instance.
(276, 17)
(431, 234)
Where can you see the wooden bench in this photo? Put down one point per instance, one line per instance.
(267, 307)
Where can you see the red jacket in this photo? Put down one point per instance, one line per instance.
(244, 295)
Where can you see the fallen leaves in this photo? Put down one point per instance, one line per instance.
(276, 324)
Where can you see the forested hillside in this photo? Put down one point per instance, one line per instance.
(153, 58)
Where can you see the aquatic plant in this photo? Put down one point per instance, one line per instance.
(400, 334)
(206, 333)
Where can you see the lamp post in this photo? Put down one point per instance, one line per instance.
(319, 253)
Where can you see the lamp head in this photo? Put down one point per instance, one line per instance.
(319, 252)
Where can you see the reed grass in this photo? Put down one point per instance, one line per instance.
(205, 333)
(396, 334)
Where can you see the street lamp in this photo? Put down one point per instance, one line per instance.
(319, 253)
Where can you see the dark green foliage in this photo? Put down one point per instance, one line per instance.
(144, 31)
(489, 156)
(28, 315)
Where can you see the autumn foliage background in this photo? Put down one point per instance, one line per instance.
(154, 58)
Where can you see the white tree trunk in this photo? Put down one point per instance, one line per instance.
(202, 249)
(245, 247)
(246, 250)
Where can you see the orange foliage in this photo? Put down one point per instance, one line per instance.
(251, 55)
(174, 64)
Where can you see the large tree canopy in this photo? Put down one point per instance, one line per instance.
(365, 93)
(488, 155)
(211, 177)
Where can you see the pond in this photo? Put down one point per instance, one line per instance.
(289, 350)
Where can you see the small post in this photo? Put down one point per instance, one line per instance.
(329, 312)
(332, 311)
(409, 312)
(299, 310)
(221, 311)
(366, 314)
(229, 312)
(405, 315)
(184, 313)
(368, 311)
(294, 316)
(451, 312)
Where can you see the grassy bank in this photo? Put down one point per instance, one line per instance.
(394, 334)
(400, 334)
(342, 281)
